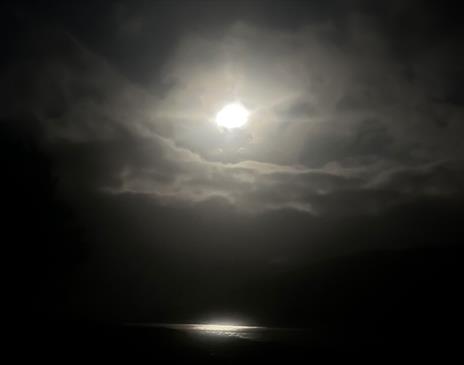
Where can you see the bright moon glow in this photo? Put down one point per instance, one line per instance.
(232, 116)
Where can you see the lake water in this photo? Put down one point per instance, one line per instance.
(205, 343)
(255, 333)
(244, 332)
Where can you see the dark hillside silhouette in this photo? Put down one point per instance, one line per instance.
(41, 241)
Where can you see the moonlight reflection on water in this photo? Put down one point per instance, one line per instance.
(227, 330)
(231, 331)
(216, 329)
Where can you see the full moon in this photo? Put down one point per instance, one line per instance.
(232, 116)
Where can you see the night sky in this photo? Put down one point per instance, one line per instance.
(340, 201)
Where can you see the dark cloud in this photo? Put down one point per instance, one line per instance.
(348, 112)
(332, 105)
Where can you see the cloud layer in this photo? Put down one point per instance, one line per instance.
(337, 118)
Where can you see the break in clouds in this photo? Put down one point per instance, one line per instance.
(341, 123)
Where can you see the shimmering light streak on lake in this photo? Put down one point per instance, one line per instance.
(216, 329)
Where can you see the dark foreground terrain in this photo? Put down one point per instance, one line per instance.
(109, 343)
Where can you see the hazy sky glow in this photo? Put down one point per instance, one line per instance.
(328, 119)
